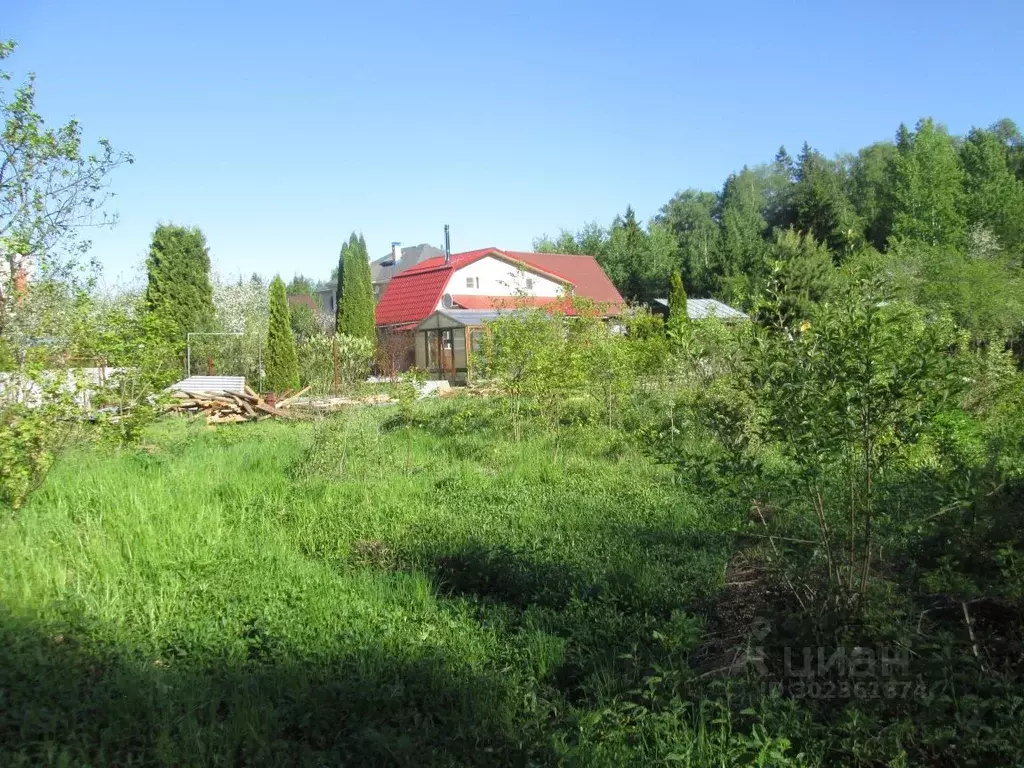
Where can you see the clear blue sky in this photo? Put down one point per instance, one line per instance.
(278, 128)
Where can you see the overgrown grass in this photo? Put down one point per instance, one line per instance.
(374, 589)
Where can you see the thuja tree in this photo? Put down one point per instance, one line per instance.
(178, 288)
(356, 307)
(676, 301)
(282, 361)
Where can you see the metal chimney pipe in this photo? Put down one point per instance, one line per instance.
(447, 246)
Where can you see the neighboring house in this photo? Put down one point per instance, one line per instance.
(699, 309)
(381, 271)
(301, 299)
(467, 286)
(399, 260)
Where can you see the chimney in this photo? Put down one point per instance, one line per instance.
(396, 252)
(447, 247)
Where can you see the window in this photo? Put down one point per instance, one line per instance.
(529, 283)
(472, 282)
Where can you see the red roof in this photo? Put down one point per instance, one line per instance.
(413, 294)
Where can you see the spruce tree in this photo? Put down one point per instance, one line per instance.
(178, 290)
(677, 312)
(356, 312)
(282, 362)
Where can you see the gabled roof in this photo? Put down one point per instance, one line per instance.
(415, 293)
(460, 318)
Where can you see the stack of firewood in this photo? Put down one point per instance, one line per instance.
(224, 407)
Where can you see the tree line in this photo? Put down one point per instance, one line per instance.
(940, 216)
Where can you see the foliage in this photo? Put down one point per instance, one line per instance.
(240, 307)
(300, 285)
(982, 287)
(800, 276)
(132, 345)
(925, 190)
(50, 187)
(927, 187)
(317, 356)
(993, 195)
(677, 311)
(355, 303)
(281, 361)
(178, 289)
(846, 396)
(820, 206)
(690, 216)
(34, 407)
(743, 225)
(305, 322)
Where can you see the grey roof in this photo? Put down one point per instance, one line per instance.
(701, 309)
(460, 318)
(411, 256)
(210, 384)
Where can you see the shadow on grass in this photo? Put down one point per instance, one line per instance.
(634, 607)
(643, 570)
(65, 699)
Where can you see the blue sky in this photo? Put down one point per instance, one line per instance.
(278, 128)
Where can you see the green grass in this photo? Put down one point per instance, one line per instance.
(366, 590)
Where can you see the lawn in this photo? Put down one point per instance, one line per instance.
(369, 589)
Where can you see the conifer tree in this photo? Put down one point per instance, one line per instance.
(282, 360)
(339, 290)
(356, 312)
(677, 312)
(178, 289)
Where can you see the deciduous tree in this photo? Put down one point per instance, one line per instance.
(928, 187)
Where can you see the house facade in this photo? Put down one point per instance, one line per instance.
(484, 282)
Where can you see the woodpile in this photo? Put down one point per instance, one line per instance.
(226, 407)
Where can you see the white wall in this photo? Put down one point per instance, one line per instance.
(499, 278)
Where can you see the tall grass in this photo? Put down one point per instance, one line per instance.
(367, 590)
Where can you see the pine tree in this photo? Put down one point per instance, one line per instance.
(282, 361)
(178, 289)
(677, 312)
(357, 308)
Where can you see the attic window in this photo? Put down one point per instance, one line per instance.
(529, 283)
(472, 282)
